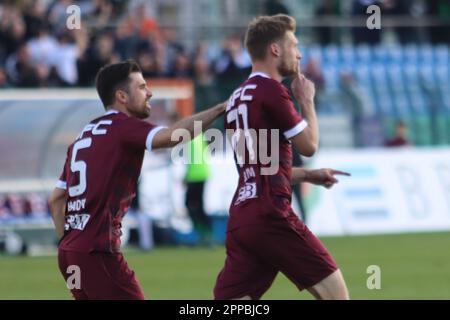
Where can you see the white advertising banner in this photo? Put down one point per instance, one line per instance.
(398, 190)
(390, 191)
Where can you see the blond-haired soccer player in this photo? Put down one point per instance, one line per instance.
(264, 235)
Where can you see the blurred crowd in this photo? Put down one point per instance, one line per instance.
(38, 50)
(23, 205)
(434, 14)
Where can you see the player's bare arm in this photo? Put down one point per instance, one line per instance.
(57, 203)
(307, 141)
(163, 139)
(322, 177)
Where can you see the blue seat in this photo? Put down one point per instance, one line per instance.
(410, 54)
(331, 54)
(395, 54)
(380, 54)
(363, 54)
(315, 52)
(426, 54)
(348, 55)
(441, 55)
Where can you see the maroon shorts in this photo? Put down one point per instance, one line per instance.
(104, 276)
(256, 253)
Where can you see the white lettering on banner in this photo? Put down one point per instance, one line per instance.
(77, 221)
(398, 191)
(443, 172)
(409, 180)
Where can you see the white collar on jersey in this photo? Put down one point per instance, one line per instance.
(111, 112)
(261, 74)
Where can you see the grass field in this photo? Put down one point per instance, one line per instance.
(413, 266)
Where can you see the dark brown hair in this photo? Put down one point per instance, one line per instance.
(113, 77)
(264, 30)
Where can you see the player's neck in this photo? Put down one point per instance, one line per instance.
(118, 108)
(272, 72)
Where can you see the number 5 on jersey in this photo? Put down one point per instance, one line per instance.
(79, 166)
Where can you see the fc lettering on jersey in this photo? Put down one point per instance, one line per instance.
(95, 128)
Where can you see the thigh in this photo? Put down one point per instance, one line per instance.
(290, 247)
(244, 274)
(70, 269)
(103, 276)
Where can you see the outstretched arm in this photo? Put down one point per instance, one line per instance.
(165, 137)
(57, 203)
(321, 177)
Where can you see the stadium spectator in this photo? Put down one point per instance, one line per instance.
(17, 205)
(42, 48)
(272, 7)
(35, 18)
(326, 8)
(172, 48)
(5, 212)
(400, 138)
(404, 8)
(440, 10)
(201, 67)
(87, 206)
(181, 66)
(3, 78)
(356, 101)
(232, 66)
(148, 62)
(263, 230)
(22, 73)
(12, 31)
(313, 72)
(101, 53)
(36, 205)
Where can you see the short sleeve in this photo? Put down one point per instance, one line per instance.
(280, 110)
(138, 133)
(62, 182)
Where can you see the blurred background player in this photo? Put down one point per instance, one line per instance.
(263, 230)
(99, 180)
(197, 174)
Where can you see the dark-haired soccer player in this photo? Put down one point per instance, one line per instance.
(264, 235)
(99, 179)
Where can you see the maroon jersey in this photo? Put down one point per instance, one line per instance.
(100, 177)
(262, 117)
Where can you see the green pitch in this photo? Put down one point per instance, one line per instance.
(413, 266)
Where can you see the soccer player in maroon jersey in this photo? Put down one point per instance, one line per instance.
(98, 183)
(264, 235)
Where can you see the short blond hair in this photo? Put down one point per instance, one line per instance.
(264, 30)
